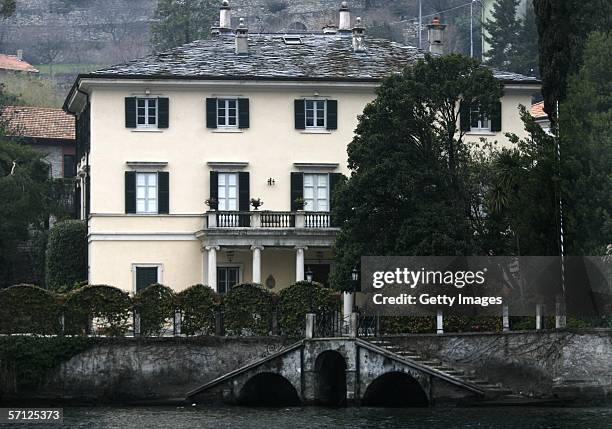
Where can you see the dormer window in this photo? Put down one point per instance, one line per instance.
(227, 113)
(292, 40)
(146, 112)
(316, 113)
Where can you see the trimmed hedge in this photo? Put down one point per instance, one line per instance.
(248, 310)
(301, 298)
(157, 305)
(28, 309)
(66, 255)
(110, 305)
(198, 304)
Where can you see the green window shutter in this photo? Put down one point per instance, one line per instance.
(332, 114)
(130, 192)
(214, 187)
(88, 195)
(211, 113)
(297, 189)
(244, 192)
(163, 112)
(496, 117)
(130, 112)
(243, 113)
(300, 115)
(464, 116)
(163, 192)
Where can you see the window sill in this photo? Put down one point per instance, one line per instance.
(480, 133)
(147, 130)
(316, 131)
(227, 130)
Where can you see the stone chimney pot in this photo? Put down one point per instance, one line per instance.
(20, 54)
(435, 36)
(344, 25)
(225, 17)
(359, 37)
(242, 39)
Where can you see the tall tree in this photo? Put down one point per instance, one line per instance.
(408, 192)
(7, 8)
(586, 150)
(182, 21)
(501, 33)
(563, 27)
(525, 57)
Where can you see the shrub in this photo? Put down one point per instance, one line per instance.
(28, 309)
(198, 304)
(302, 298)
(66, 256)
(157, 305)
(390, 325)
(105, 304)
(248, 310)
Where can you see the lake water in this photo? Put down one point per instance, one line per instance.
(297, 418)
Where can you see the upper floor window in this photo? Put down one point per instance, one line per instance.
(316, 192)
(316, 113)
(227, 113)
(479, 120)
(146, 193)
(228, 191)
(146, 112)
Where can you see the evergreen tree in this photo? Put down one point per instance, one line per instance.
(563, 27)
(410, 191)
(182, 21)
(7, 8)
(525, 58)
(501, 33)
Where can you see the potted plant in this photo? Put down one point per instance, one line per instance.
(212, 203)
(299, 203)
(256, 203)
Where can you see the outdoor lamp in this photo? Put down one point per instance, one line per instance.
(355, 274)
(309, 275)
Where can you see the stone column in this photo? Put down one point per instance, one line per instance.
(256, 263)
(299, 263)
(539, 316)
(505, 318)
(212, 266)
(348, 301)
(310, 326)
(439, 322)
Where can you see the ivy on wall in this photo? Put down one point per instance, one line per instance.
(301, 298)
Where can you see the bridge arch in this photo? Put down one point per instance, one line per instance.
(268, 389)
(330, 367)
(395, 389)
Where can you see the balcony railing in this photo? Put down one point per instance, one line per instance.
(268, 219)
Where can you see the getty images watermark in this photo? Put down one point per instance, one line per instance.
(477, 285)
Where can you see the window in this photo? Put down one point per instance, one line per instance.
(69, 167)
(228, 191)
(146, 112)
(315, 113)
(146, 276)
(227, 113)
(479, 121)
(227, 278)
(146, 193)
(316, 192)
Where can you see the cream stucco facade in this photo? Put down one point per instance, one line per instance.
(269, 149)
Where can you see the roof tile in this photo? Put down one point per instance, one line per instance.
(39, 122)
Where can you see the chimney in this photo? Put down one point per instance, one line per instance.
(435, 36)
(330, 29)
(20, 54)
(359, 37)
(242, 39)
(344, 26)
(225, 17)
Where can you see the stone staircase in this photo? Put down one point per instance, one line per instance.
(492, 391)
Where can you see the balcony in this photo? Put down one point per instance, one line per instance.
(267, 219)
(269, 228)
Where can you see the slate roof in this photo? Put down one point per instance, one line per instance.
(319, 57)
(12, 63)
(39, 122)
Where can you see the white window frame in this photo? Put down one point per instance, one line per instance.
(147, 199)
(481, 120)
(147, 100)
(315, 117)
(313, 205)
(226, 115)
(160, 273)
(226, 197)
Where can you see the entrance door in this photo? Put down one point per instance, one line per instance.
(227, 278)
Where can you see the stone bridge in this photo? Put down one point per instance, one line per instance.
(338, 371)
